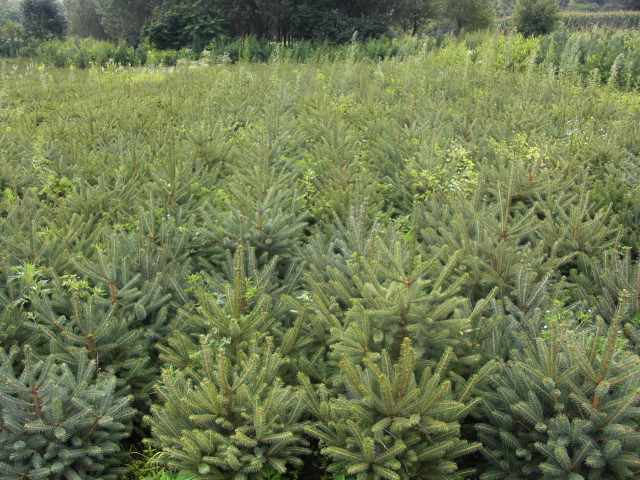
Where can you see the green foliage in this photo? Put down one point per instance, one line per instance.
(10, 38)
(468, 15)
(87, 53)
(231, 310)
(317, 23)
(57, 422)
(184, 26)
(393, 422)
(42, 19)
(261, 207)
(9, 11)
(140, 466)
(599, 55)
(616, 19)
(122, 20)
(383, 291)
(601, 281)
(231, 418)
(443, 175)
(567, 407)
(336, 200)
(83, 19)
(536, 17)
(57, 186)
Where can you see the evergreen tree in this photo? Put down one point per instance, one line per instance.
(368, 291)
(115, 300)
(229, 309)
(599, 283)
(261, 207)
(108, 338)
(27, 240)
(567, 407)
(394, 421)
(57, 423)
(229, 416)
(13, 329)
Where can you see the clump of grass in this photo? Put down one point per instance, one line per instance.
(141, 466)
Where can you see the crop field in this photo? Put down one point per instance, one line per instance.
(416, 267)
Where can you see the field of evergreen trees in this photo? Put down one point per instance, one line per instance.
(417, 267)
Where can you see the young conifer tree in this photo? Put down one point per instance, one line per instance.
(393, 421)
(230, 308)
(260, 205)
(600, 281)
(229, 415)
(115, 303)
(57, 423)
(380, 288)
(567, 406)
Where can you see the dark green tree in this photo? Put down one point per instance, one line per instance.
(122, 20)
(412, 13)
(185, 25)
(536, 17)
(83, 19)
(43, 19)
(9, 11)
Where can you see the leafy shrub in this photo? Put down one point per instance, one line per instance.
(10, 38)
(184, 26)
(84, 53)
(536, 17)
(248, 48)
(140, 466)
(167, 58)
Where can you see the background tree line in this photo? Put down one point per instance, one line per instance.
(193, 24)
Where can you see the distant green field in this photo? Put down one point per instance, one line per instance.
(422, 266)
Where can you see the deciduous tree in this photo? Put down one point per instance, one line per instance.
(469, 14)
(43, 18)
